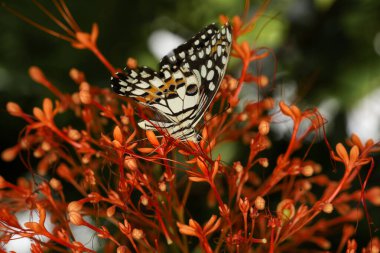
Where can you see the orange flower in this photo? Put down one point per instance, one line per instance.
(194, 229)
(350, 161)
(46, 115)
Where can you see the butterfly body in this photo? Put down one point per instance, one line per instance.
(182, 90)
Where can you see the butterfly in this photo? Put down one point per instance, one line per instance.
(185, 85)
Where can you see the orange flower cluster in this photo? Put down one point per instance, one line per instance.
(141, 187)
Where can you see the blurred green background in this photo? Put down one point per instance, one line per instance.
(326, 54)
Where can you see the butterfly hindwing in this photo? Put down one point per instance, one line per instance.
(185, 85)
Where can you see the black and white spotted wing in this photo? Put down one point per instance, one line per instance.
(185, 85)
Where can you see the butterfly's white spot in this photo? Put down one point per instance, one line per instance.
(196, 42)
(193, 57)
(209, 64)
(138, 92)
(224, 59)
(191, 51)
(133, 81)
(167, 74)
(219, 50)
(143, 74)
(173, 59)
(143, 85)
(157, 82)
(125, 90)
(201, 54)
(211, 86)
(229, 36)
(186, 65)
(209, 31)
(124, 85)
(208, 50)
(210, 75)
(203, 36)
(219, 70)
(133, 74)
(203, 71)
(177, 75)
(182, 54)
(213, 41)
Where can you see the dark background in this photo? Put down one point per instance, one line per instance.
(326, 47)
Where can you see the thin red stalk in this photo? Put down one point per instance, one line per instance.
(245, 226)
(66, 17)
(206, 245)
(241, 79)
(64, 137)
(292, 141)
(38, 26)
(163, 227)
(68, 13)
(271, 243)
(220, 201)
(339, 187)
(53, 18)
(105, 62)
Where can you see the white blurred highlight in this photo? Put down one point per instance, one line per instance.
(22, 245)
(364, 118)
(161, 42)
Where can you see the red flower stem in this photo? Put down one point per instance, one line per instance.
(277, 175)
(206, 245)
(278, 172)
(101, 57)
(339, 187)
(133, 243)
(99, 231)
(241, 79)
(63, 136)
(27, 118)
(106, 111)
(163, 227)
(245, 226)
(64, 243)
(53, 89)
(292, 141)
(271, 248)
(220, 202)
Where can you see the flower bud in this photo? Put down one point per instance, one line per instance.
(264, 127)
(14, 109)
(55, 184)
(328, 208)
(307, 171)
(260, 203)
(137, 234)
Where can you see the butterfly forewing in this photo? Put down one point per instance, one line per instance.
(185, 85)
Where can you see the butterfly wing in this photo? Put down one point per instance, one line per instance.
(205, 56)
(185, 85)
